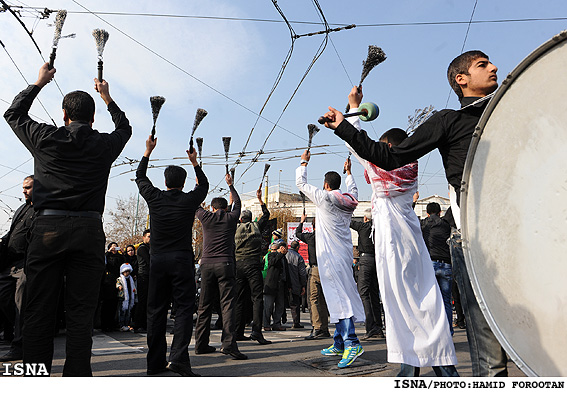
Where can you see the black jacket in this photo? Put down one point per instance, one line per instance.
(14, 243)
(277, 269)
(365, 241)
(143, 258)
(436, 231)
(309, 239)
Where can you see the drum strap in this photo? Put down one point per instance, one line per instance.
(455, 207)
(482, 99)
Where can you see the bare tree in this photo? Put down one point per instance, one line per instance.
(283, 215)
(127, 221)
(419, 117)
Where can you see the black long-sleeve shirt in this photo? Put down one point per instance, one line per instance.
(71, 163)
(364, 229)
(448, 130)
(218, 231)
(309, 239)
(436, 231)
(172, 212)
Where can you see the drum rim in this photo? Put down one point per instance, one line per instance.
(479, 129)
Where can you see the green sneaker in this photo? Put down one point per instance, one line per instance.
(350, 355)
(332, 350)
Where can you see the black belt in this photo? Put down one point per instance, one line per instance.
(362, 254)
(69, 213)
(442, 261)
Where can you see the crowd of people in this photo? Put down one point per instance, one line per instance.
(52, 257)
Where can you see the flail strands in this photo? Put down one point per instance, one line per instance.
(226, 144)
(200, 149)
(312, 129)
(375, 56)
(101, 37)
(156, 103)
(59, 20)
(266, 167)
(199, 116)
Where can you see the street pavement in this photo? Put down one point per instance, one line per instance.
(123, 354)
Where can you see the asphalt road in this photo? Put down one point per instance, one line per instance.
(123, 354)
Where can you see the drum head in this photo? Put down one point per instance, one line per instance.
(514, 211)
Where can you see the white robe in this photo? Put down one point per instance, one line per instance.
(334, 249)
(418, 332)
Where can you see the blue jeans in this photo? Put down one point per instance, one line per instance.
(441, 371)
(487, 355)
(345, 335)
(444, 275)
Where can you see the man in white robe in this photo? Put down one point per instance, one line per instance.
(418, 334)
(334, 257)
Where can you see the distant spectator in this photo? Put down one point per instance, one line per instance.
(297, 282)
(126, 294)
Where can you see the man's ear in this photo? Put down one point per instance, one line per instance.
(65, 117)
(462, 80)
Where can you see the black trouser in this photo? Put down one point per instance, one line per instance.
(141, 315)
(217, 280)
(172, 275)
(74, 247)
(368, 290)
(249, 274)
(12, 284)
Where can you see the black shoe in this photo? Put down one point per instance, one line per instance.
(140, 330)
(235, 353)
(260, 338)
(11, 355)
(207, 349)
(278, 328)
(461, 325)
(297, 326)
(242, 337)
(155, 371)
(317, 334)
(182, 369)
(374, 333)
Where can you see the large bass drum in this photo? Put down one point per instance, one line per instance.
(514, 211)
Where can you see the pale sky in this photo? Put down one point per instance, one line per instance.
(228, 67)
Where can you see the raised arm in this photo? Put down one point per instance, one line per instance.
(262, 221)
(315, 194)
(199, 193)
(147, 189)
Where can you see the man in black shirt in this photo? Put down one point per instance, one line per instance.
(248, 240)
(367, 277)
(317, 305)
(12, 278)
(142, 281)
(473, 78)
(71, 168)
(172, 269)
(436, 231)
(218, 273)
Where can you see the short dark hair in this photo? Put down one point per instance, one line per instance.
(333, 179)
(461, 65)
(79, 106)
(219, 203)
(29, 177)
(433, 208)
(294, 244)
(146, 231)
(174, 176)
(395, 136)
